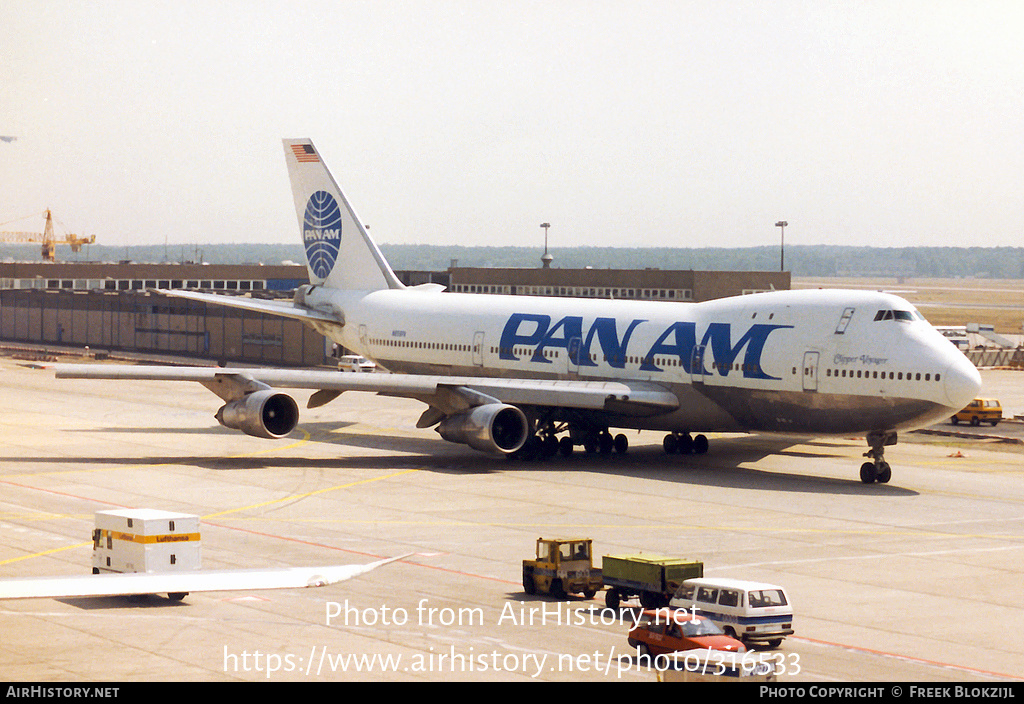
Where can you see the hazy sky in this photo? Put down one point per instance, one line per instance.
(633, 123)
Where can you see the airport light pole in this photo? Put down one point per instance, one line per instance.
(546, 259)
(781, 224)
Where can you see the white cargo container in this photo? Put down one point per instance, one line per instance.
(145, 540)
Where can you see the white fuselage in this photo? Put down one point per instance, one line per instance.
(815, 361)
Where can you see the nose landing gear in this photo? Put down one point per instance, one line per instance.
(877, 470)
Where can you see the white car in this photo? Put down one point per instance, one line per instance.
(355, 363)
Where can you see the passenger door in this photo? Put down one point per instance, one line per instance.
(810, 371)
(478, 349)
(697, 365)
(573, 351)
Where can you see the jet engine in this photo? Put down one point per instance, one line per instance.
(262, 414)
(493, 427)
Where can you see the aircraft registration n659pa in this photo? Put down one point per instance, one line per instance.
(533, 376)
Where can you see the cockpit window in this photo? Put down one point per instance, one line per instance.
(905, 315)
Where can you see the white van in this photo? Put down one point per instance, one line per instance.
(754, 612)
(355, 363)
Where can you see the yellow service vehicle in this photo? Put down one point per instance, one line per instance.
(563, 566)
(980, 410)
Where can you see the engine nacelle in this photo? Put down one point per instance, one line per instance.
(262, 414)
(493, 427)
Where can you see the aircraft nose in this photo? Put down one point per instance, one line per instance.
(962, 382)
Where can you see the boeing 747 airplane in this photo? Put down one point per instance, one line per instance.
(533, 376)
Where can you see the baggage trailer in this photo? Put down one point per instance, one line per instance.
(653, 578)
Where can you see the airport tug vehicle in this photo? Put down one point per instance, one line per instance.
(146, 540)
(563, 566)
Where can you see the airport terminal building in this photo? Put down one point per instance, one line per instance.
(110, 307)
(631, 284)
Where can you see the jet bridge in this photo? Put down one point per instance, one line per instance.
(989, 333)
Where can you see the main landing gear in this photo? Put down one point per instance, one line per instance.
(545, 443)
(878, 469)
(684, 444)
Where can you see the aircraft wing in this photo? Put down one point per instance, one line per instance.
(637, 398)
(129, 583)
(285, 309)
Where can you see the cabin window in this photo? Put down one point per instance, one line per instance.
(729, 598)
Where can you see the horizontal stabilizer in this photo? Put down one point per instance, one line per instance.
(129, 583)
(257, 305)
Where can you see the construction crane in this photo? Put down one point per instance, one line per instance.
(48, 240)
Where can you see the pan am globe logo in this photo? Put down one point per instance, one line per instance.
(321, 231)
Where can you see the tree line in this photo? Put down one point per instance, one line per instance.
(801, 260)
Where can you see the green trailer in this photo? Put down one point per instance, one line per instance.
(653, 578)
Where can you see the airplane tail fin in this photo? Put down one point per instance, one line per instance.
(339, 251)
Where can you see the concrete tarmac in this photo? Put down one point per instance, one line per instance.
(915, 580)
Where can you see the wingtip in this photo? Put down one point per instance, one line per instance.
(322, 580)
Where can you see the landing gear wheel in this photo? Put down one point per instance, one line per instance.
(685, 444)
(621, 444)
(700, 445)
(565, 446)
(878, 469)
(550, 447)
(531, 449)
(607, 444)
(670, 444)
